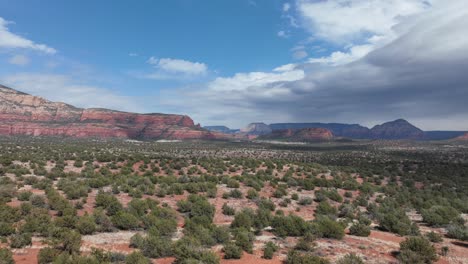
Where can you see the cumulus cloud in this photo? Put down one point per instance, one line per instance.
(419, 74)
(20, 60)
(14, 41)
(61, 88)
(257, 81)
(345, 20)
(167, 68)
(359, 26)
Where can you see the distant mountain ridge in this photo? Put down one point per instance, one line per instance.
(398, 129)
(222, 129)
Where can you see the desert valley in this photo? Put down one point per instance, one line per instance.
(234, 132)
(102, 186)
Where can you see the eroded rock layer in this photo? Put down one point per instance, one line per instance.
(24, 114)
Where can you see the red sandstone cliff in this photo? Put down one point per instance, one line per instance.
(463, 137)
(24, 114)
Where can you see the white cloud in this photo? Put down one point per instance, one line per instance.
(282, 34)
(257, 80)
(344, 20)
(12, 41)
(419, 74)
(286, 7)
(61, 88)
(167, 68)
(340, 58)
(360, 26)
(133, 54)
(285, 68)
(20, 60)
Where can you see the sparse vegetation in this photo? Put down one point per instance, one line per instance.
(171, 197)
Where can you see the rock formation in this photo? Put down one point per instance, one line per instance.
(304, 134)
(257, 129)
(339, 130)
(398, 129)
(24, 114)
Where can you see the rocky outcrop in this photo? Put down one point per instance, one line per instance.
(257, 129)
(339, 130)
(304, 134)
(398, 129)
(24, 114)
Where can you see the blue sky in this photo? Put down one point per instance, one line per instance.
(234, 62)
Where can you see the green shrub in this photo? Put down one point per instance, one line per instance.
(24, 196)
(244, 240)
(70, 241)
(328, 228)
(350, 259)
(227, 210)
(434, 237)
(189, 250)
(252, 194)
(137, 241)
(197, 206)
(324, 208)
(416, 250)
(136, 258)
(20, 240)
(47, 255)
(305, 201)
(6, 229)
(125, 221)
(157, 247)
(440, 215)
(290, 225)
(232, 251)
(393, 219)
(296, 257)
(269, 250)
(359, 229)
(244, 218)
(86, 225)
(6, 256)
(458, 232)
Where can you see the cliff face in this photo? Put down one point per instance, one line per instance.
(24, 114)
(256, 129)
(304, 134)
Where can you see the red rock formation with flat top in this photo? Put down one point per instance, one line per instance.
(24, 114)
(304, 134)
